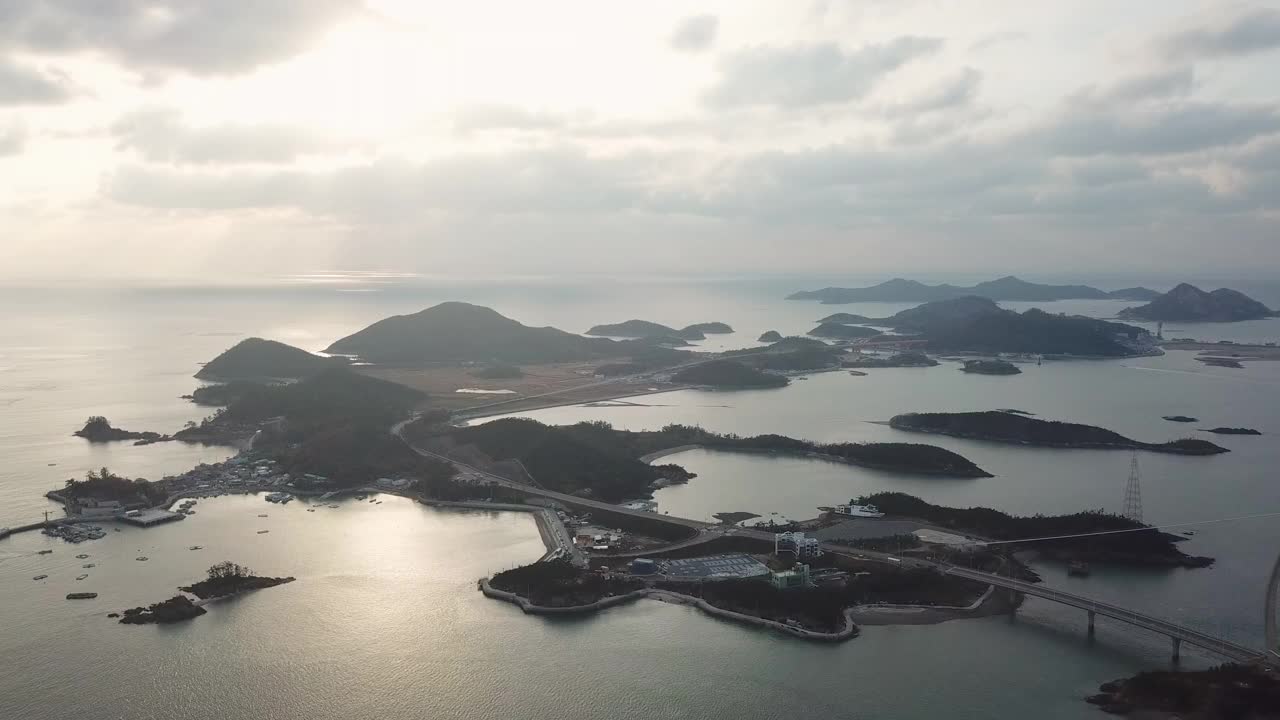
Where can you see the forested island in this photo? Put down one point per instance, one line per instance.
(103, 484)
(999, 426)
(769, 336)
(643, 329)
(594, 459)
(98, 429)
(1233, 431)
(228, 578)
(1229, 691)
(1141, 547)
(454, 332)
(847, 319)
(990, 367)
(223, 579)
(1188, 303)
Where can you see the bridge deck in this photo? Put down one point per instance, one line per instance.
(1202, 640)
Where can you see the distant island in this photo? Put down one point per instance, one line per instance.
(843, 332)
(1146, 547)
(638, 329)
(256, 358)
(1180, 418)
(903, 359)
(453, 332)
(1005, 288)
(727, 375)
(97, 429)
(847, 319)
(593, 459)
(990, 367)
(1226, 691)
(709, 328)
(224, 579)
(998, 426)
(1234, 431)
(770, 336)
(1188, 303)
(977, 324)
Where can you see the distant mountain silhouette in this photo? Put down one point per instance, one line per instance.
(459, 332)
(1188, 303)
(1005, 288)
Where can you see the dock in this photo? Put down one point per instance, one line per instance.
(149, 517)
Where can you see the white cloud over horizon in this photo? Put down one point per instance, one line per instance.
(180, 138)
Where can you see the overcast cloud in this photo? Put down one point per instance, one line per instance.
(170, 138)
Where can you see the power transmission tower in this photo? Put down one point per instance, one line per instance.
(1133, 492)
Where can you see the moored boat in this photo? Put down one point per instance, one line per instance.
(82, 595)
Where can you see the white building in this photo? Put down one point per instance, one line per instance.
(796, 544)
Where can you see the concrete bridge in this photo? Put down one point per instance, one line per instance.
(1177, 633)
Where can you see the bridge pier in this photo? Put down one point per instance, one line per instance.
(1177, 649)
(1092, 616)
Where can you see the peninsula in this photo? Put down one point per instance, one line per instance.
(1134, 544)
(999, 426)
(728, 375)
(592, 459)
(1188, 303)
(1225, 691)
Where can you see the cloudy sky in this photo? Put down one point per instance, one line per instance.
(221, 140)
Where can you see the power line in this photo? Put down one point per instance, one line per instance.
(1127, 530)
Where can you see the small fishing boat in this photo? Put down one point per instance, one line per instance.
(81, 556)
(263, 532)
(86, 566)
(142, 558)
(39, 577)
(81, 577)
(44, 552)
(196, 547)
(82, 596)
(262, 515)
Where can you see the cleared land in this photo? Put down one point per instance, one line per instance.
(541, 386)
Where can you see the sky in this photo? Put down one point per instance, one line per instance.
(162, 140)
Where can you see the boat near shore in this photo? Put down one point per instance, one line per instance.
(82, 595)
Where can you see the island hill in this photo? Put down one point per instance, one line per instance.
(1127, 542)
(1008, 427)
(1188, 303)
(1247, 692)
(97, 429)
(977, 324)
(592, 459)
(769, 336)
(223, 580)
(638, 329)
(1005, 288)
(258, 359)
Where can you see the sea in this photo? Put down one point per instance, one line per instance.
(384, 619)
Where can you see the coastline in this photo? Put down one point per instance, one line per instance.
(850, 630)
(811, 454)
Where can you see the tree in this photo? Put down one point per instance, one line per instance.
(226, 570)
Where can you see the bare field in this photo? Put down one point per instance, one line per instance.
(541, 386)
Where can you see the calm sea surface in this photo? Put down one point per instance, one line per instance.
(384, 619)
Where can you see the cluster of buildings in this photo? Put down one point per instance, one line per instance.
(239, 474)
